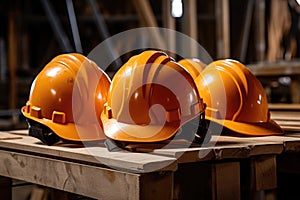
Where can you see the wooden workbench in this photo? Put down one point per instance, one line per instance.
(226, 168)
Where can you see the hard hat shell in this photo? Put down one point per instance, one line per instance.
(150, 97)
(68, 96)
(245, 107)
(193, 65)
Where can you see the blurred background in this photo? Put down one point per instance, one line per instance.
(262, 34)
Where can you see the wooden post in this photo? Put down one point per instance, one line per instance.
(156, 185)
(222, 28)
(260, 44)
(258, 177)
(12, 59)
(169, 23)
(5, 188)
(190, 25)
(207, 181)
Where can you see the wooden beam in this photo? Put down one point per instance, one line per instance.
(86, 180)
(190, 26)
(260, 41)
(147, 18)
(12, 60)
(222, 28)
(169, 23)
(97, 154)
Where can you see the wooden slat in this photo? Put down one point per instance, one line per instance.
(91, 181)
(289, 123)
(98, 154)
(284, 107)
(287, 116)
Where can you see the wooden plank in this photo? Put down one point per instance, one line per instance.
(290, 128)
(91, 181)
(278, 68)
(295, 123)
(5, 188)
(285, 107)
(220, 147)
(8, 136)
(183, 151)
(96, 154)
(207, 181)
(244, 147)
(290, 142)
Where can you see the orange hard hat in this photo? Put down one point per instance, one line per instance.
(193, 65)
(150, 98)
(67, 96)
(236, 99)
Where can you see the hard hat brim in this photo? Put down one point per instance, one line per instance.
(138, 133)
(251, 129)
(71, 131)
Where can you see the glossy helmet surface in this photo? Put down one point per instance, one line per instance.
(150, 98)
(67, 96)
(244, 107)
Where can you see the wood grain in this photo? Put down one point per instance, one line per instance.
(91, 181)
(96, 154)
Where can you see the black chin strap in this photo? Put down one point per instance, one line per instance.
(41, 132)
(114, 146)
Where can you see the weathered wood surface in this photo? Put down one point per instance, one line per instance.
(97, 154)
(8, 136)
(220, 147)
(87, 180)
